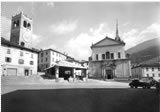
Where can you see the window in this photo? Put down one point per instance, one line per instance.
(41, 54)
(46, 53)
(46, 65)
(158, 69)
(57, 55)
(52, 59)
(21, 61)
(146, 69)
(152, 69)
(41, 60)
(119, 55)
(153, 74)
(29, 26)
(107, 55)
(7, 59)
(8, 51)
(96, 56)
(103, 56)
(31, 55)
(31, 63)
(25, 24)
(147, 75)
(21, 53)
(22, 43)
(53, 53)
(17, 23)
(14, 24)
(112, 55)
(46, 59)
(159, 74)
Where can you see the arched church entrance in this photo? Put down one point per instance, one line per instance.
(108, 70)
(109, 74)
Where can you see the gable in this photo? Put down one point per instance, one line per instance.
(108, 42)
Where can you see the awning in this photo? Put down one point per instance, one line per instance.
(67, 64)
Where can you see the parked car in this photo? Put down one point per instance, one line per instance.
(157, 83)
(140, 83)
(158, 86)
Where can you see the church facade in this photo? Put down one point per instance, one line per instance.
(18, 57)
(108, 59)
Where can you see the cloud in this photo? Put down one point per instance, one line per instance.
(79, 46)
(97, 31)
(50, 4)
(5, 28)
(63, 27)
(126, 24)
(36, 39)
(20, 9)
(153, 30)
(130, 38)
(135, 36)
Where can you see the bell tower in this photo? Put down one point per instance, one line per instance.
(21, 30)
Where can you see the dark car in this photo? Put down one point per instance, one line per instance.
(140, 83)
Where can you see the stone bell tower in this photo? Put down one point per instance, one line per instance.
(21, 30)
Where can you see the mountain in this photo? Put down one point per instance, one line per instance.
(145, 51)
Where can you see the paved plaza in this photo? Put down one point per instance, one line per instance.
(26, 94)
(10, 84)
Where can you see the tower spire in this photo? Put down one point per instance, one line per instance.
(117, 33)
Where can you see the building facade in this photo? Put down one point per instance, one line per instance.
(146, 70)
(108, 59)
(48, 58)
(18, 56)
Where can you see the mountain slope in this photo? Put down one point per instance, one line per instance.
(145, 51)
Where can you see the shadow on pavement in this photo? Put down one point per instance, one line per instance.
(81, 100)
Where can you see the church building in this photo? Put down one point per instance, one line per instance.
(18, 57)
(108, 59)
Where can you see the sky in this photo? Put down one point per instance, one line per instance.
(72, 27)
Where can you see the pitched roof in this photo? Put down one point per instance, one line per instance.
(64, 63)
(5, 42)
(73, 60)
(54, 51)
(107, 38)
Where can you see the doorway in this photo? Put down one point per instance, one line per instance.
(26, 72)
(109, 74)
